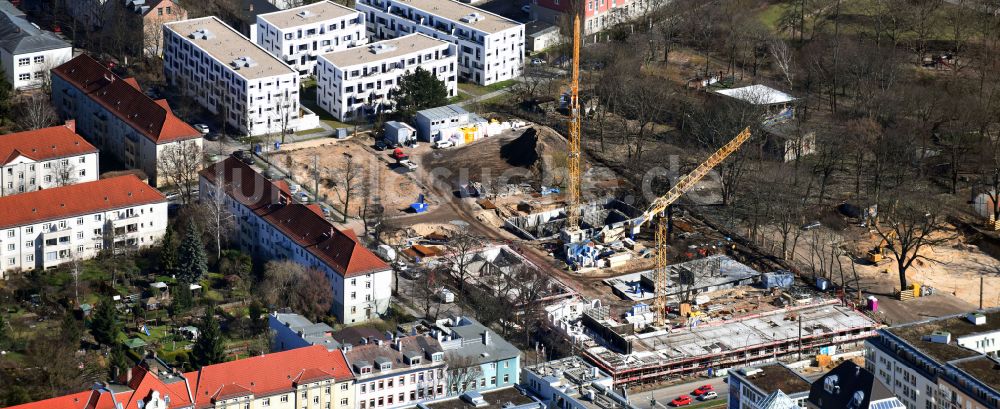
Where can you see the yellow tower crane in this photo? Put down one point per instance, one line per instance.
(660, 205)
(573, 159)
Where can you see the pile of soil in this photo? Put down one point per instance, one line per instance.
(523, 151)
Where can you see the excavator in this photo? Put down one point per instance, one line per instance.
(660, 206)
(879, 254)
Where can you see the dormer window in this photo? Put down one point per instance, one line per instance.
(385, 366)
(437, 356)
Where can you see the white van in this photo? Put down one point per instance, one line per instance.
(443, 144)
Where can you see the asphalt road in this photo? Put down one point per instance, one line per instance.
(664, 395)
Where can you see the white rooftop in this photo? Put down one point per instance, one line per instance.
(757, 94)
(308, 14)
(464, 14)
(384, 50)
(230, 47)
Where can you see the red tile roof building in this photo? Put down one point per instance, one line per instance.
(310, 377)
(45, 158)
(273, 226)
(49, 227)
(114, 114)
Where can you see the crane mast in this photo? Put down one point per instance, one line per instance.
(660, 205)
(573, 159)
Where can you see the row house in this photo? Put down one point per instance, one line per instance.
(45, 158)
(356, 82)
(234, 78)
(271, 226)
(46, 228)
(27, 53)
(490, 47)
(117, 117)
(298, 36)
(304, 378)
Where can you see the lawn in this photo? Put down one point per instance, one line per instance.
(308, 99)
(771, 14)
(480, 90)
(458, 98)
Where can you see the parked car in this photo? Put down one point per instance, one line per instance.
(537, 61)
(709, 396)
(201, 128)
(410, 166)
(526, 9)
(380, 145)
(703, 389)
(399, 155)
(443, 144)
(294, 187)
(211, 137)
(682, 400)
(244, 157)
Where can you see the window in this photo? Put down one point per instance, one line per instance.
(79, 235)
(29, 229)
(83, 159)
(284, 398)
(29, 243)
(79, 249)
(327, 390)
(39, 59)
(10, 233)
(506, 378)
(11, 260)
(265, 402)
(169, 11)
(79, 220)
(29, 258)
(315, 399)
(159, 11)
(83, 172)
(24, 77)
(39, 75)
(343, 386)
(10, 247)
(21, 62)
(343, 402)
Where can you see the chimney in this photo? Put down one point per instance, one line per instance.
(251, 7)
(128, 375)
(71, 124)
(398, 345)
(486, 337)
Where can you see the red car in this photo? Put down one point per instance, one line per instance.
(682, 400)
(703, 390)
(398, 154)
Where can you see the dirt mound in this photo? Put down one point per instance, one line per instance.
(523, 151)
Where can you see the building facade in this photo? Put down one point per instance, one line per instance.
(598, 15)
(490, 47)
(271, 226)
(304, 378)
(45, 158)
(46, 228)
(146, 19)
(397, 371)
(356, 82)
(117, 117)
(299, 35)
(234, 78)
(27, 53)
(449, 123)
(940, 363)
(478, 359)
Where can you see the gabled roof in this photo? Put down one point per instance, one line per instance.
(43, 144)
(336, 248)
(76, 200)
(125, 100)
(266, 374)
(19, 36)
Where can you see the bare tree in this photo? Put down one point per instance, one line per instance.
(64, 172)
(346, 181)
(910, 224)
(782, 57)
(290, 284)
(463, 372)
(460, 251)
(219, 221)
(35, 112)
(178, 165)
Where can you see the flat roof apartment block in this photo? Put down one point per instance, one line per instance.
(228, 74)
(356, 82)
(300, 34)
(490, 47)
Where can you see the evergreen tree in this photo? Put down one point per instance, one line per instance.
(209, 348)
(168, 253)
(118, 362)
(105, 325)
(71, 330)
(4, 332)
(183, 299)
(191, 259)
(15, 395)
(418, 90)
(257, 324)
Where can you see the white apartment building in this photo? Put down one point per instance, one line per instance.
(226, 73)
(46, 228)
(273, 227)
(936, 362)
(27, 53)
(117, 117)
(45, 158)
(490, 47)
(357, 81)
(398, 372)
(299, 35)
